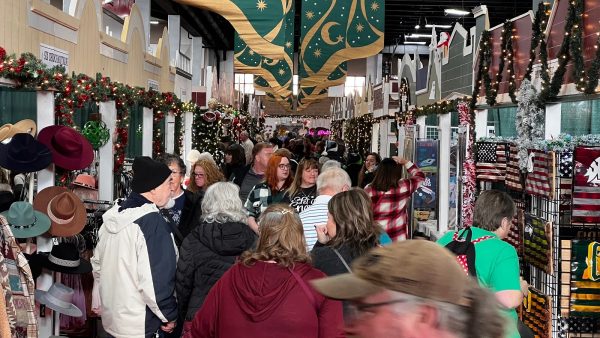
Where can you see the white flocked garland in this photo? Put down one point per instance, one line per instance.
(529, 121)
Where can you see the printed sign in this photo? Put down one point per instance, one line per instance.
(427, 155)
(52, 56)
(153, 84)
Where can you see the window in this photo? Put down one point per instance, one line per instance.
(354, 84)
(431, 126)
(580, 118)
(502, 121)
(244, 83)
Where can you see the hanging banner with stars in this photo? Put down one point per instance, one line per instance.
(336, 31)
(260, 23)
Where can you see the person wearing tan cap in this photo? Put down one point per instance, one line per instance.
(413, 289)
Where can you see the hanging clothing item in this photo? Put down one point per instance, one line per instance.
(17, 284)
(4, 326)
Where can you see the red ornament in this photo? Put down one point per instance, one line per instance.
(2, 54)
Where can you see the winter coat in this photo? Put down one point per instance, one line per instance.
(206, 254)
(134, 269)
(266, 300)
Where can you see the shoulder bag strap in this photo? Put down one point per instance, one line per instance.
(306, 290)
(342, 259)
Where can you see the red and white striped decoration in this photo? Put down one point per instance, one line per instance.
(540, 181)
(586, 185)
(513, 172)
(491, 167)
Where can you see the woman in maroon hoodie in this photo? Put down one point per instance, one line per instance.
(267, 294)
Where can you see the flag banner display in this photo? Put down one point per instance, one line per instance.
(585, 279)
(586, 185)
(261, 23)
(491, 161)
(513, 172)
(540, 176)
(537, 242)
(537, 313)
(515, 236)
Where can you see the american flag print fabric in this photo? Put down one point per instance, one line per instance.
(540, 177)
(491, 162)
(515, 235)
(586, 185)
(513, 172)
(565, 164)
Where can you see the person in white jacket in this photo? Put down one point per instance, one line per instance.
(134, 263)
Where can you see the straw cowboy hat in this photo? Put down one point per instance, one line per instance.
(24, 126)
(65, 210)
(70, 150)
(24, 154)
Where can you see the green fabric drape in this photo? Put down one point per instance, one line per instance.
(576, 117)
(82, 115)
(432, 120)
(134, 143)
(16, 105)
(503, 119)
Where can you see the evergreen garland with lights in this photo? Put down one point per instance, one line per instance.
(337, 128)
(358, 134)
(512, 84)
(486, 61)
(485, 36)
(205, 135)
(594, 71)
(576, 45)
(537, 36)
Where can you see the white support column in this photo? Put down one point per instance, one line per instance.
(375, 137)
(421, 122)
(174, 29)
(197, 62)
(170, 133)
(445, 135)
(148, 124)
(45, 178)
(481, 123)
(187, 136)
(108, 111)
(553, 121)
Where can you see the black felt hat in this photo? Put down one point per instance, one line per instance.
(65, 258)
(148, 174)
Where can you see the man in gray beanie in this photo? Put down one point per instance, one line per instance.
(135, 260)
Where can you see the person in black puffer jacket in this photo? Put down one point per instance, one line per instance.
(211, 248)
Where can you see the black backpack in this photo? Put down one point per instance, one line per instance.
(464, 248)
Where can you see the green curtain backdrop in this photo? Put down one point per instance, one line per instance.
(134, 144)
(16, 105)
(580, 118)
(504, 121)
(82, 115)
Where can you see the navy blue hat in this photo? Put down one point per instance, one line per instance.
(24, 154)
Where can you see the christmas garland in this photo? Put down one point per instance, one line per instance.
(469, 178)
(72, 92)
(337, 128)
(507, 56)
(486, 61)
(576, 44)
(594, 71)
(483, 42)
(358, 132)
(537, 36)
(529, 120)
(512, 85)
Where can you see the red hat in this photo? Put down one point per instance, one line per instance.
(70, 150)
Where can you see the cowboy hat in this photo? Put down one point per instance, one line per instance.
(70, 150)
(85, 181)
(65, 210)
(24, 154)
(60, 299)
(24, 222)
(65, 258)
(24, 126)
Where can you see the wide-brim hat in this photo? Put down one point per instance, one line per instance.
(65, 258)
(24, 154)
(209, 117)
(66, 211)
(70, 150)
(24, 126)
(24, 222)
(60, 299)
(85, 181)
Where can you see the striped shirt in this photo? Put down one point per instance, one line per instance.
(313, 215)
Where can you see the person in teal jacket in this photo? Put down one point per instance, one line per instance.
(496, 261)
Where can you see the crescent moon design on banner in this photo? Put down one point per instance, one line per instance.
(325, 33)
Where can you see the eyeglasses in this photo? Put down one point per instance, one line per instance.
(284, 166)
(198, 175)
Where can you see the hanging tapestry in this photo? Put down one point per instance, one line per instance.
(491, 161)
(537, 242)
(586, 185)
(515, 236)
(540, 177)
(585, 278)
(565, 180)
(513, 172)
(565, 166)
(537, 313)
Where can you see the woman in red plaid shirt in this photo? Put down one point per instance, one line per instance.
(390, 194)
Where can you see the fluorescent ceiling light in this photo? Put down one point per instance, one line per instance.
(416, 36)
(452, 11)
(438, 26)
(415, 42)
(154, 22)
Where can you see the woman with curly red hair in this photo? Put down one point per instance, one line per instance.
(271, 190)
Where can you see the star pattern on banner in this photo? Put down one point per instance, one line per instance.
(261, 5)
(310, 15)
(317, 53)
(360, 27)
(340, 38)
(288, 44)
(251, 52)
(566, 164)
(374, 6)
(281, 72)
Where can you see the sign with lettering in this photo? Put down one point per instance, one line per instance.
(153, 84)
(52, 56)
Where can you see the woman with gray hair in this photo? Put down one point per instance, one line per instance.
(211, 248)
